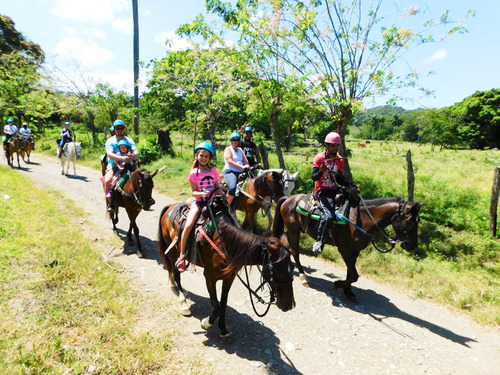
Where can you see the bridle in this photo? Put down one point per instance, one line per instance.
(136, 195)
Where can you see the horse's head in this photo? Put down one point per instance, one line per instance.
(288, 181)
(405, 224)
(145, 188)
(278, 272)
(274, 182)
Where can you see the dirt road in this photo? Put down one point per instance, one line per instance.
(387, 333)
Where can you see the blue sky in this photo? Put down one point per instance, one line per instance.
(94, 37)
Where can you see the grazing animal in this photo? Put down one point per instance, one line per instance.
(13, 147)
(134, 196)
(253, 193)
(71, 151)
(369, 218)
(362, 144)
(231, 250)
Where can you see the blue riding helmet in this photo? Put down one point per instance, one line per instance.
(10, 121)
(67, 123)
(118, 122)
(206, 146)
(123, 142)
(248, 129)
(234, 135)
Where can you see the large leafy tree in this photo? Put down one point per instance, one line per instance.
(20, 61)
(345, 49)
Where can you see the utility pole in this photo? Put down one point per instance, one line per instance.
(136, 66)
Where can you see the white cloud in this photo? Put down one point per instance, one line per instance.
(96, 33)
(68, 30)
(438, 55)
(174, 42)
(125, 25)
(88, 54)
(96, 11)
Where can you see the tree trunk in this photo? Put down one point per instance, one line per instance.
(136, 66)
(274, 123)
(341, 128)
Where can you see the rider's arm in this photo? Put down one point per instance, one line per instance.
(316, 174)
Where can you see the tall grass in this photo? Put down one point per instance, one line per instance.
(63, 309)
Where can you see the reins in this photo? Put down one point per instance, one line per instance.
(133, 195)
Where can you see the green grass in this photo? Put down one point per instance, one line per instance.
(457, 263)
(79, 315)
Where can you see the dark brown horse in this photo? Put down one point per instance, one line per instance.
(29, 145)
(13, 147)
(249, 200)
(134, 196)
(234, 248)
(370, 218)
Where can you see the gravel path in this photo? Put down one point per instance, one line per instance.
(387, 333)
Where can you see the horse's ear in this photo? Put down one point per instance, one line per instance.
(284, 240)
(158, 171)
(294, 176)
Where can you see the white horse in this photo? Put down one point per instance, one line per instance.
(71, 151)
(288, 181)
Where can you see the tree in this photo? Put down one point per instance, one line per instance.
(346, 50)
(136, 66)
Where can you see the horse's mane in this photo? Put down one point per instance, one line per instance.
(260, 182)
(382, 201)
(242, 247)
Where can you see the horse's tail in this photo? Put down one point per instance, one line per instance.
(278, 223)
(162, 245)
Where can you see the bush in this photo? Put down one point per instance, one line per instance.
(149, 151)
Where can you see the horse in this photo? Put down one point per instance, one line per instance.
(253, 192)
(361, 224)
(13, 147)
(71, 151)
(288, 181)
(135, 195)
(362, 144)
(30, 145)
(223, 257)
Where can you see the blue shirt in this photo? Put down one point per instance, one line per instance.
(112, 146)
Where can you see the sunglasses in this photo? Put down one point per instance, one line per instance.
(235, 140)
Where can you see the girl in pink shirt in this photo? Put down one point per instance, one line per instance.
(203, 179)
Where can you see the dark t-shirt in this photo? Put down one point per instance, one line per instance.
(250, 150)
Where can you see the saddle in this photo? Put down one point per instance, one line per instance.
(311, 209)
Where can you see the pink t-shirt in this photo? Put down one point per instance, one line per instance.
(205, 181)
(335, 164)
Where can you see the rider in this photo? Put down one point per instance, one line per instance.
(10, 131)
(25, 131)
(325, 188)
(124, 150)
(203, 179)
(112, 152)
(66, 136)
(235, 163)
(250, 148)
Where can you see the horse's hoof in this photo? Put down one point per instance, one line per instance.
(140, 254)
(303, 280)
(186, 311)
(226, 339)
(205, 323)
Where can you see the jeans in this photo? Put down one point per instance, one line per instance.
(231, 181)
(327, 203)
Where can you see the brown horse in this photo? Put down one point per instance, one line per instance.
(249, 200)
(13, 147)
(233, 249)
(29, 145)
(135, 195)
(370, 218)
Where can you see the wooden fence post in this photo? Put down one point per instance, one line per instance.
(411, 176)
(494, 202)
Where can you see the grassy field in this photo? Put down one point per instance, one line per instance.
(457, 263)
(63, 308)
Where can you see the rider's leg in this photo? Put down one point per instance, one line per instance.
(188, 227)
(327, 204)
(231, 182)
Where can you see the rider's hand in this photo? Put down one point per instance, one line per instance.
(323, 168)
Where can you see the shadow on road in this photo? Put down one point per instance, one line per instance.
(378, 307)
(252, 340)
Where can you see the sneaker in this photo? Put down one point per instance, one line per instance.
(109, 193)
(181, 265)
(317, 247)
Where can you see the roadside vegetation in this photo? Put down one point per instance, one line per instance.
(64, 308)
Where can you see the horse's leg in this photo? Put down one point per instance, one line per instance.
(293, 238)
(224, 334)
(132, 215)
(74, 166)
(352, 276)
(207, 322)
(175, 279)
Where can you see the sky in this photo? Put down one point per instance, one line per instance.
(95, 38)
